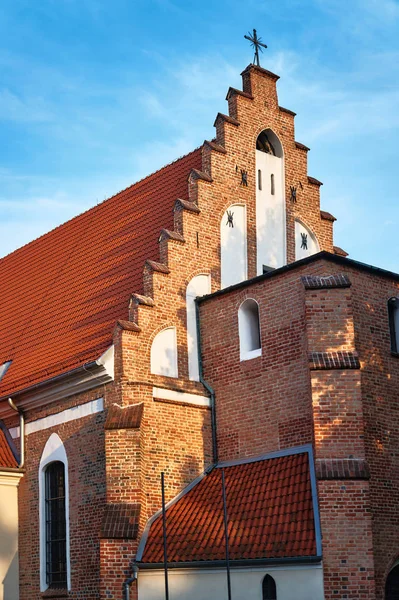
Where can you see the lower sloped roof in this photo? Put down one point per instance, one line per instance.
(7, 450)
(272, 514)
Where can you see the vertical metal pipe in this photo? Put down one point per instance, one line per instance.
(226, 537)
(165, 547)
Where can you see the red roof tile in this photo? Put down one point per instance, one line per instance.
(7, 458)
(63, 293)
(270, 515)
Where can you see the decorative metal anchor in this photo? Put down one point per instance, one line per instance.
(304, 244)
(244, 177)
(230, 216)
(293, 193)
(257, 44)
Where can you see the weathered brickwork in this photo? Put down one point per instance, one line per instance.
(325, 376)
(345, 404)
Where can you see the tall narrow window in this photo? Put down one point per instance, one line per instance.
(393, 312)
(249, 330)
(259, 179)
(269, 588)
(55, 563)
(56, 557)
(272, 184)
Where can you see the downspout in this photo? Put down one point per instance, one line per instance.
(21, 432)
(206, 386)
(128, 582)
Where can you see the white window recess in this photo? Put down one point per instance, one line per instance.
(393, 311)
(164, 353)
(233, 245)
(198, 286)
(249, 330)
(270, 203)
(306, 243)
(54, 450)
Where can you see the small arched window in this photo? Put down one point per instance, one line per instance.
(306, 243)
(269, 588)
(164, 353)
(393, 312)
(392, 584)
(249, 330)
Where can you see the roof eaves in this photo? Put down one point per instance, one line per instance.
(323, 255)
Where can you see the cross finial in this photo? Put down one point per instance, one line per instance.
(257, 44)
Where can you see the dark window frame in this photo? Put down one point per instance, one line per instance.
(269, 590)
(55, 525)
(393, 307)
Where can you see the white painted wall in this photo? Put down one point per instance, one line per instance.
(198, 286)
(249, 329)
(164, 353)
(9, 573)
(233, 246)
(270, 212)
(69, 414)
(53, 450)
(312, 243)
(292, 583)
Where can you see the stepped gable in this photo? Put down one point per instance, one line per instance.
(270, 505)
(69, 287)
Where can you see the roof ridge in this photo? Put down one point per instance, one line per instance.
(92, 208)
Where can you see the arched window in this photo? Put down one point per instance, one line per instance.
(270, 203)
(269, 588)
(392, 584)
(305, 241)
(249, 330)
(393, 312)
(164, 353)
(233, 245)
(198, 286)
(54, 516)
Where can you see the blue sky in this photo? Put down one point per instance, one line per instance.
(96, 94)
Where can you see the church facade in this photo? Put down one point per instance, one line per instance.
(202, 322)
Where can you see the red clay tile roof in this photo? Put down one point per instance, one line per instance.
(270, 514)
(7, 458)
(63, 293)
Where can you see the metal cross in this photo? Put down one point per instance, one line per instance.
(257, 44)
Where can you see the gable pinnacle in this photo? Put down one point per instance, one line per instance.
(257, 44)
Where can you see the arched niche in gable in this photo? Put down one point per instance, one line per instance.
(306, 242)
(233, 245)
(164, 353)
(270, 202)
(198, 286)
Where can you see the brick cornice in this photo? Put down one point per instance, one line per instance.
(124, 417)
(339, 251)
(121, 521)
(196, 175)
(302, 146)
(314, 181)
(260, 71)
(171, 235)
(227, 119)
(287, 110)
(342, 468)
(143, 300)
(214, 146)
(186, 205)
(234, 92)
(318, 282)
(157, 267)
(333, 360)
(128, 325)
(327, 216)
